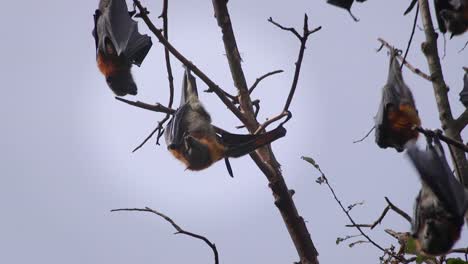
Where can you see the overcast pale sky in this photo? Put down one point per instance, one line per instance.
(66, 143)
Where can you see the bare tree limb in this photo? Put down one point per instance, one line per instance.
(461, 122)
(259, 79)
(155, 108)
(264, 157)
(160, 127)
(439, 134)
(176, 227)
(430, 50)
(405, 62)
(303, 39)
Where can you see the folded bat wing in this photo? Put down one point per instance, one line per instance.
(435, 172)
(240, 145)
(115, 24)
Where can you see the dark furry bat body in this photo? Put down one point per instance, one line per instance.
(397, 114)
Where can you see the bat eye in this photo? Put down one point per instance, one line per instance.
(172, 146)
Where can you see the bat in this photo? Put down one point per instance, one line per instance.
(397, 114)
(118, 45)
(464, 92)
(451, 15)
(440, 205)
(345, 4)
(192, 139)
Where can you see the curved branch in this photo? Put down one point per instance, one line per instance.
(176, 227)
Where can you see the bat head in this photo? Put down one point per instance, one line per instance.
(455, 21)
(122, 83)
(437, 235)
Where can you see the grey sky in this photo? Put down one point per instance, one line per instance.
(66, 143)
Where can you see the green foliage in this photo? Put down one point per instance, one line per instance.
(456, 261)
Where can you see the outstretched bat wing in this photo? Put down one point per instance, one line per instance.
(114, 23)
(240, 145)
(435, 172)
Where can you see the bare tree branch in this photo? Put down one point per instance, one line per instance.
(411, 37)
(155, 108)
(160, 126)
(176, 227)
(461, 122)
(259, 79)
(430, 50)
(264, 157)
(439, 134)
(303, 39)
(405, 62)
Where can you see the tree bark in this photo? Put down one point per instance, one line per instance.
(264, 157)
(450, 126)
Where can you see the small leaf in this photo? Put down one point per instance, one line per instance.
(320, 180)
(410, 246)
(311, 161)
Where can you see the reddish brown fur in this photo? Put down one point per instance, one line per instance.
(403, 120)
(216, 150)
(111, 65)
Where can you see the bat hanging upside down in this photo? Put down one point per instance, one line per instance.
(397, 115)
(118, 45)
(452, 15)
(192, 139)
(440, 205)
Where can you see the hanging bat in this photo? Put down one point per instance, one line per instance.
(118, 45)
(345, 4)
(451, 15)
(440, 205)
(397, 114)
(464, 92)
(192, 139)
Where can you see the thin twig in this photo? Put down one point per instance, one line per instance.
(176, 227)
(272, 120)
(303, 39)
(324, 179)
(406, 63)
(464, 47)
(364, 138)
(390, 206)
(411, 37)
(160, 127)
(398, 210)
(156, 107)
(259, 79)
